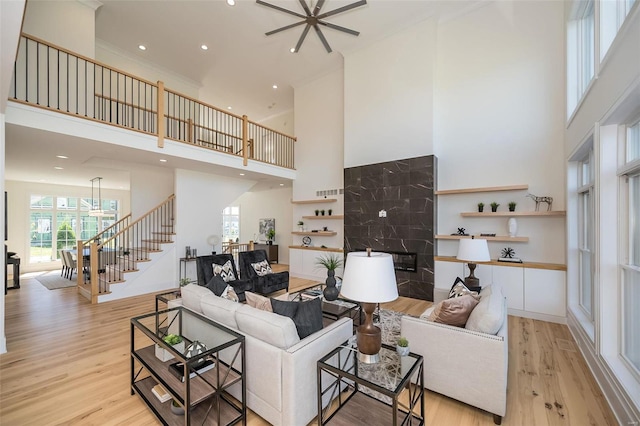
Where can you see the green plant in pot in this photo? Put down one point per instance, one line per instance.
(301, 225)
(176, 408)
(271, 233)
(480, 207)
(171, 340)
(402, 346)
(184, 281)
(317, 212)
(330, 211)
(331, 262)
(494, 206)
(512, 206)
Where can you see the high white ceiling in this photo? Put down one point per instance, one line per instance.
(239, 69)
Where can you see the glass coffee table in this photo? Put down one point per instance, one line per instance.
(390, 392)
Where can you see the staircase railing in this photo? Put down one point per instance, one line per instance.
(104, 262)
(235, 248)
(57, 79)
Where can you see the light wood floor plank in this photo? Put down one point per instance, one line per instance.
(68, 363)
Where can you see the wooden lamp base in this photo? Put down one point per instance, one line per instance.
(369, 337)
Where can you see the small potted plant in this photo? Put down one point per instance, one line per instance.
(494, 207)
(301, 226)
(176, 408)
(172, 340)
(317, 212)
(271, 233)
(330, 211)
(402, 346)
(184, 281)
(480, 207)
(331, 262)
(512, 206)
(322, 212)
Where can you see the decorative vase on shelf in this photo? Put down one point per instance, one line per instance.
(513, 226)
(330, 291)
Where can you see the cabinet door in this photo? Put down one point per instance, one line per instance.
(295, 262)
(511, 280)
(545, 291)
(446, 273)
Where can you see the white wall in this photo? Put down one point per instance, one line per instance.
(201, 197)
(275, 203)
(499, 105)
(388, 98)
(68, 24)
(283, 123)
(149, 187)
(18, 202)
(10, 22)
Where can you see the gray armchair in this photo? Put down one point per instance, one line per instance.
(204, 268)
(261, 284)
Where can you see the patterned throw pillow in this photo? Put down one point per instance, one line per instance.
(225, 271)
(262, 268)
(230, 294)
(459, 289)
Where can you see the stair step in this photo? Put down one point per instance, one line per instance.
(163, 233)
(111, 282)
(157, 241)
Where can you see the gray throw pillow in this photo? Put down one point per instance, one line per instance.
(217, 285)
(307, 315)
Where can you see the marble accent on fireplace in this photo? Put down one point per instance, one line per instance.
(405, 190)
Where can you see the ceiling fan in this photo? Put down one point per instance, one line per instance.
(314, 19)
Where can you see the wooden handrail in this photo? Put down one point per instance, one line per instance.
(98, 235)
(295, 139)
(239, 117)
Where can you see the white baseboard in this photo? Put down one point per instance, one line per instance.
(537, 316)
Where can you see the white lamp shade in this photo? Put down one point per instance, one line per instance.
(473, 250)
(369, 279)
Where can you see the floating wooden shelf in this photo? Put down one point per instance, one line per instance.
(514, 214)
(318, 234)
(333, 249)
(505, 238)
(485, 189)
(318, 201)
(532, 265)
(334, 216)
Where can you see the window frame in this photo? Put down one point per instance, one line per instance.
(586, 226)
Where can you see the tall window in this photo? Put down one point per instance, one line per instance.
(585, 237)
(612, 15)
(231, 223)
(580, 52)
(630, 174)
(57, 222)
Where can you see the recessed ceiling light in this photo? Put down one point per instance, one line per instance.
(292, 50)
(142, 47)
(241, 174)
(64, 157)
(228, 107)
(59, 168)
(282, 184)
(275, 86)
(231, 2)
(162, 160)
(204, 47)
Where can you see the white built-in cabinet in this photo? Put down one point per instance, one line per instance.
(533, 290)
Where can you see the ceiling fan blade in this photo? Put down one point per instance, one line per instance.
(322, 39)
(316, 9)
(303, 3)
(302, 37)
(284, 28)
(281, 9)
(339, 28)
(342, 9)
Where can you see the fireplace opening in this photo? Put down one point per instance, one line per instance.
(402, 261)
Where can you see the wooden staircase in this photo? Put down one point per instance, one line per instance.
(119, 249)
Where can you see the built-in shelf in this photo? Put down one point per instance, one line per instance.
(334, 216)
(319, 233)
(333, 249)
(485, 189)
(504, 238)
(318, 201)
(532, 265)
(513, 214)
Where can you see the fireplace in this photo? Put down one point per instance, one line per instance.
(402, 261)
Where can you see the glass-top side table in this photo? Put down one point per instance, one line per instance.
(197, 380)
(389, 392)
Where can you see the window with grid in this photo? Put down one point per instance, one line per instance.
(585, 235)
(580, 52)
(630, 266)
(231, 224)
(612, 15)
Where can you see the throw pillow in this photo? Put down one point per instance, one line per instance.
(258, 301)
(225, 271)
(488, 316)
(459, 289)
(262, 268)
(217, 285)
(454, 311)
(230, 294)
(307, 316)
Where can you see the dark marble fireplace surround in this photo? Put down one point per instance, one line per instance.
(404, 189)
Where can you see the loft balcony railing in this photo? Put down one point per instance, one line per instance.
(57, 79)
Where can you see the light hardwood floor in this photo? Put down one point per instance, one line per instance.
(68, 363)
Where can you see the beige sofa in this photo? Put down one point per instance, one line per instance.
(280, 370)
(469, 366)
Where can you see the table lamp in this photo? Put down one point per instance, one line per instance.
(369, 278)
(472, 251)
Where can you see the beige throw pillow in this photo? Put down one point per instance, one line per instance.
(454, 311)
(258, 301)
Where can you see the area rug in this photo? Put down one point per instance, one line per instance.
(53, 281)
(389, 323)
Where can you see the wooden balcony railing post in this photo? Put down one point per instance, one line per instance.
(160, 114)
(79, 264)
(190, 130)
(94, 266)
(251, 247)
(245, 140)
